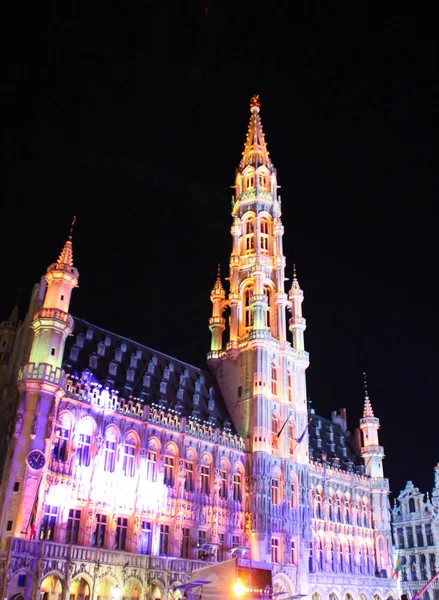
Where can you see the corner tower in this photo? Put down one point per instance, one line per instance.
(371, 451)
(260, 372)
(373, 455)
(41, 383)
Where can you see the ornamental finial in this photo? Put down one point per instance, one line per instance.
(368, 410)
(255, 105)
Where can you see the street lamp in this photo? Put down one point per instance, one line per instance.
(239, 589)
(117, 592)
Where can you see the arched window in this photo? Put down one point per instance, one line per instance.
(151, 461)
(275, 490)
(110, 450)
(267, 316)
(264, 235)
(83, 449)
(412, 507)
(338, 512)
(237, 487)
(249, 236)
(290, 386)
(320, 555)
(250, 180)
(333, 557)
(129, 454)
(358, 507)
(62, 436)
(293, 500)
(347, 510)
(365, 513)
(224, 480)
(190, 464)
(273, 380)
(247, 310)
(274, 432)
(351, 557)
(318, 504)
(169, 467)
(205, 477)
(331, 505)
(262, 180)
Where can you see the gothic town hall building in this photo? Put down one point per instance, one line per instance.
(127, 469)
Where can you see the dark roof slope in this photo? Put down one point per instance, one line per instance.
(136, 371)
(328, 442)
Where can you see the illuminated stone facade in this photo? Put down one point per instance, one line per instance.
(127, 469)
(416, 536)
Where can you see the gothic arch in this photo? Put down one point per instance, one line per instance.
(131, 584)
(282, 583)
(154, 443)
(52, 585)
(155, 586)
(22, 593)
(82, 575)
(80, 585)
(105, 584)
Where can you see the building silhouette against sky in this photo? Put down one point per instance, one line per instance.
(128, 469)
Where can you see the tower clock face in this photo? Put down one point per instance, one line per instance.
(36, 460)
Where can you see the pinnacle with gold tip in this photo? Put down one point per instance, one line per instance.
(66, 256)
(368, 411)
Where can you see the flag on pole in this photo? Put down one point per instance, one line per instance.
(33, 515)
(397, 568)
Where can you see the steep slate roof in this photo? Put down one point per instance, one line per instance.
(136, 371)
(328, 442)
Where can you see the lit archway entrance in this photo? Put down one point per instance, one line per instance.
(155, 593)
(108, 589)
(51, 588)
(79, 589)
(132, 590)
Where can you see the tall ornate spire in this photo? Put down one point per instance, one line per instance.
(255, 148)
(66, 256)
(368, 411)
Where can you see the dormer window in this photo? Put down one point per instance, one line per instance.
(263, 181)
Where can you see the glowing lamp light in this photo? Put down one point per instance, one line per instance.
(117, 592)
(239, 589)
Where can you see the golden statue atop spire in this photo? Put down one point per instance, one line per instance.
(255, 101)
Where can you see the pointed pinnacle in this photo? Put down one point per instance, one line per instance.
(66, 256)
(295, 286)
(218, 287)
(368, 410)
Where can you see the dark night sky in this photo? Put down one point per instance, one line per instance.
(134, 119)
